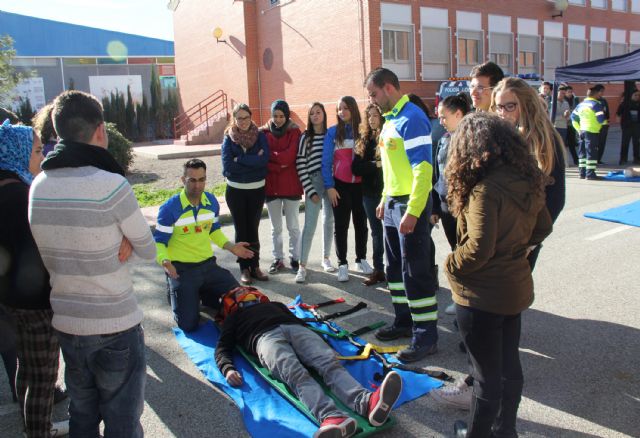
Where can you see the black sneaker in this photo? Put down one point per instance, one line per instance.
(593, 178)
(276, 266)
(294, 265)
(393, 332)
(414, 353)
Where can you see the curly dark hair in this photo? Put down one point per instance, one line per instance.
(482, 141)
(367, 134)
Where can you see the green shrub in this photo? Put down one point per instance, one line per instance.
(119, 147)
(147, 195)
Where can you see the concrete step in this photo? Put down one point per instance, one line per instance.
(178, 150)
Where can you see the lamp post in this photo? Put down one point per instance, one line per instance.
(559, 7)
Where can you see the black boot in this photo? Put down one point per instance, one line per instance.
(483, 414)
(505, 424)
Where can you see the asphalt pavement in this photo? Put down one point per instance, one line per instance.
(580, 345)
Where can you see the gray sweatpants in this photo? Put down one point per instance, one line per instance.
(286, 349)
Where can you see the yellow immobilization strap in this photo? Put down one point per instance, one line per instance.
(366, 352)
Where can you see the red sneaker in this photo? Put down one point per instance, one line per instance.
(337, 427)
(381, 402)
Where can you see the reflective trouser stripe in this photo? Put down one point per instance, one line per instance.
(421, 317)
(592, 164)
(396, 286)
(423, 302)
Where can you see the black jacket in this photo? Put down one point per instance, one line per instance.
(368, 168)
(624, 112)
(25, 282)
(245, 327)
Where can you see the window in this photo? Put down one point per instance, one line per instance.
(436, 53)
(577, 2)
(577, 52)
(633, 47)
(553, 56)
(618, 49)
(600, 4)
(619, 5)
(598, 50)
(635, 6)
(397, 50)
(501, 50)
(470, 50)
(528, 49)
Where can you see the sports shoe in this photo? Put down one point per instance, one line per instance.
(593, 178)
(393, 332)
(294, 265)
(460, 429)
(343, 273)
(336, 427)
(381, 402)
(450, 309)
(301, 275)
(415, 353)
(364, 267)
(458, 395)
(328, 266)
(60, 428)
(276, 266)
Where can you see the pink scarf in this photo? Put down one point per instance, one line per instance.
(247, 138)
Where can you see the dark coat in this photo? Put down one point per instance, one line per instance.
(370, 169)
(488, 270)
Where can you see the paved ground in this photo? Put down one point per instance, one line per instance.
(580, 340)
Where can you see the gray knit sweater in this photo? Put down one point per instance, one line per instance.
(78, 217)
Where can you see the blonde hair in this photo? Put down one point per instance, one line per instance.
(534, 122)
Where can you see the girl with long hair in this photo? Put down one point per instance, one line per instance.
(283, 189)
(496, 192)
(518, 103)
(343, 187)
(309, 166)
(367, 165)
(245, 154)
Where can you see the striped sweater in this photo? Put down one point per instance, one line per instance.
(78, 217)
(309, 161)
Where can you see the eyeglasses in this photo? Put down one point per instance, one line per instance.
(480, 88)
(508, 107)
(243, 119)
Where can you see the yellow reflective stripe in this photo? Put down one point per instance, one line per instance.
(164, 229)
(421, 317)
(398, 300)
(424, 302)
(396, 286)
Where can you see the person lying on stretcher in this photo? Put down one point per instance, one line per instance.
(284, 345)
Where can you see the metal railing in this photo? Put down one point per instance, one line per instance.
(208, 110)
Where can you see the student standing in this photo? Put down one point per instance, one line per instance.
(343, 187)
(309, 166)
(496, 191)
(367, 164)
(283, 189)
(629, 113)
(245, 154)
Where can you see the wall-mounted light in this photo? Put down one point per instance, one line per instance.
(560, 6)
(217, 34)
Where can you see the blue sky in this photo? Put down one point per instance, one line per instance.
(141, 17)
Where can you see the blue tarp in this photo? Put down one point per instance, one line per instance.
(616, 68)
(628, 214)
(266, 413)
(39, 37)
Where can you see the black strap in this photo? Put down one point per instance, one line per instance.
(361, 305)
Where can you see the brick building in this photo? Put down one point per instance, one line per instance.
(319, 50)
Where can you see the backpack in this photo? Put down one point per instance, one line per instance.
(237, 298)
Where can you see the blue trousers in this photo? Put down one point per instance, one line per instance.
(588, 153)
(409, 274)
(105, 377)
(204, 281)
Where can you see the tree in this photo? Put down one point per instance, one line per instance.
(142, 118)
(157, 113)
(9, 77)
(25, 111)
(130, 116)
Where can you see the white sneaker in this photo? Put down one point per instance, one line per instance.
(301, 275)
(343, 273)
(364, 267)
(327, 266)
(451, 309)
(60, 428)
(458, 395)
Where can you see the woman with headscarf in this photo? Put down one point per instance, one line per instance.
(24, 281)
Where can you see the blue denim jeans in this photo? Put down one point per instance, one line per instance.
(105, 377)
(377, 235)
(205, 281)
